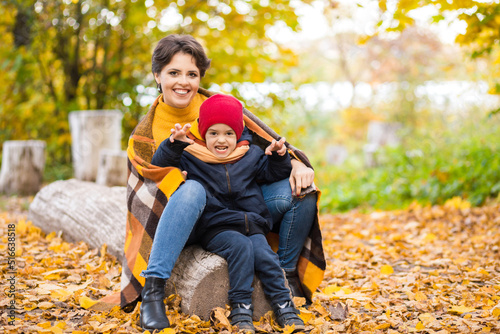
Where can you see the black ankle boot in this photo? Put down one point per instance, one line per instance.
(241, 316)
(294, 284)
(153, 315)
(287, 315)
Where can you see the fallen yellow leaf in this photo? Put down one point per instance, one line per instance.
(386, 270)
(86, 302)
(331, 289)
(420, 326)
(45, 305)
(461, 309)
(420, 296)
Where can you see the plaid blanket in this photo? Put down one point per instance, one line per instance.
(148, 190)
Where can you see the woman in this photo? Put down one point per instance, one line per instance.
(155, 194)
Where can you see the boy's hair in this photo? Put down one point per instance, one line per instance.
(169, 46)
(220, 108)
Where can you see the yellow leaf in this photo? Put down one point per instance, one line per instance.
(496, 312)
(306, 315)
(457, 203)
(50, 236)
(167, 331)
(86, 302)
(52, 277)
(331, 289)
(61, 295)
(383, 326)
(420, 326)
(45, 325)
(21, 227)
(45, 305)
(430, 237)
(386, 270)
(420, 296)
(347, 290)
(461, 309)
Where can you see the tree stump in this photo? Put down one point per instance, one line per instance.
(23, 163)
(336, 154)
(380, 134)
(96, 214)
(91, 131)
(112, 170)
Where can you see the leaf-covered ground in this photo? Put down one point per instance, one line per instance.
(422, 269)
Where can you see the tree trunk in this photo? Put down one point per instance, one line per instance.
(96, 214)
(23, 163)
(91, 131)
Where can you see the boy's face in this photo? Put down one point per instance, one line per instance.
(221, 140)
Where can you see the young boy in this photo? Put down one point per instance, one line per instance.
(236, 219)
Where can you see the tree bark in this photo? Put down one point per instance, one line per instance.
(96, 214)
(23, 163)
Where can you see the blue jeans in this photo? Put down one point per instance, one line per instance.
(292, 218)
(174, 228)
(246, 256)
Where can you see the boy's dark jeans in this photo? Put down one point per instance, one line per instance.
(246, 255)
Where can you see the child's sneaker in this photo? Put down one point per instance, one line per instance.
(241, 316)
(287, 315)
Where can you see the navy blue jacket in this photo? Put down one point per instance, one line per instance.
(234, 198)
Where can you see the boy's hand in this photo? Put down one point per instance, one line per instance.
(180, 133)
(278, 146)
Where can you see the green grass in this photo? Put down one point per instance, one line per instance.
(429, 169)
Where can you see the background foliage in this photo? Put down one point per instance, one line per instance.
(63, 55)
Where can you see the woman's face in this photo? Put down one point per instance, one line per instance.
(179, 80)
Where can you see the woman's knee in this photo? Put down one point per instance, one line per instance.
(193, 190)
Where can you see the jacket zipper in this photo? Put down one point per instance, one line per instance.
(228, 181)
(247, 228)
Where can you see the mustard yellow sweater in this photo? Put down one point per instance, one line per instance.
(166, 117)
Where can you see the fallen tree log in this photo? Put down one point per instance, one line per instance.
(96, 214)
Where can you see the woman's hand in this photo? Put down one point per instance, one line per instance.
(180, 133)
(301, 177)
(278, 146)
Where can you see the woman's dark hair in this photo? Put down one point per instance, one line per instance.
(169, 46)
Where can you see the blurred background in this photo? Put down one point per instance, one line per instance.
(394, 102)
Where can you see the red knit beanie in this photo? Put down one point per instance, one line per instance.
(223, 109)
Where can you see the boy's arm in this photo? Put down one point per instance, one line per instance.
(169, 153)
(274, 167)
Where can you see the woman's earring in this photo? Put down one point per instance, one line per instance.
(158, 86)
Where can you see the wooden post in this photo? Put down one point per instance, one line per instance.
(112, 170)
(23, 163)
(91, 131)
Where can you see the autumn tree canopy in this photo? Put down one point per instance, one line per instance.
(64, 55)
(481, 18)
